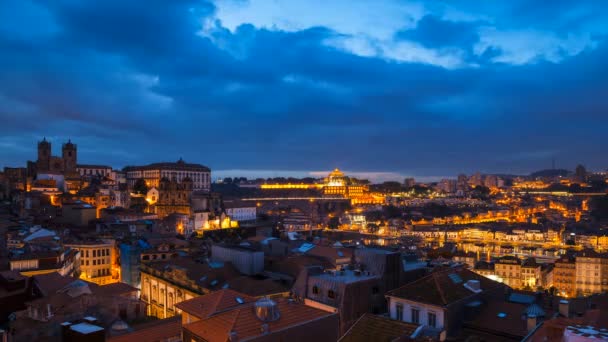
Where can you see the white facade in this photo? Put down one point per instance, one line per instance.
(94, 170)
(242, 214)
(247, 261)
(404, 310)
(200, 176)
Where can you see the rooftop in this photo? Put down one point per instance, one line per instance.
(377, 328)
(179, 165)
(243, 321)
(345, 276)
(214, 302)
(443, 287)
(159, 330)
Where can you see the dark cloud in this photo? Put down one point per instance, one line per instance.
(135, 84)
(433, 32)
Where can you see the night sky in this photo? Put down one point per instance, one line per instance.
(383, 88)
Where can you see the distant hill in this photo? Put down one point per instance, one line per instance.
(550, 173)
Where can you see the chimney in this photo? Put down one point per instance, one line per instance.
(564, 308)
(531, 322)
(49, 314)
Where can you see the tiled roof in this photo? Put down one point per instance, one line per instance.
(330, 253)
(500, 317)
(212, 303)
(160, 330)
(51, 282)
(442, 287)
(246, 325)
(377, 328)
(115, 289)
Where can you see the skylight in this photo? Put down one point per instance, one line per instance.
(239, 300)
(502, 315)
(455, 278)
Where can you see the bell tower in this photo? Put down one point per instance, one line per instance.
(69, 156)
(44, 156)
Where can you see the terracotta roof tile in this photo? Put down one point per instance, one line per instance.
(51, 282)
(212, 303)
(245, 324)
(377, 328)
(115, 289)
(442, 287)
(151, 332)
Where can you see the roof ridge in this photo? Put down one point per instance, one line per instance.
(218, 299)
(439, 289)
(432, 274)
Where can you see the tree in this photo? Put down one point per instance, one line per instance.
(333, 223)
(140, 187)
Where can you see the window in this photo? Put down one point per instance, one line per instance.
(399, 312)
(432, 319)
(94, 253)
(415, 315)
(375, 290)
(315, 290)
(331, 294)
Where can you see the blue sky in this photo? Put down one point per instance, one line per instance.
(386, 88)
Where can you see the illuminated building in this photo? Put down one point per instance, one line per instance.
(508, 268)
(336, 184)
(564, 277)
(166, 283)
(240, 210)
(97, 261)
(589, 276)
(152, 174)
(171, 197)
(94, 170)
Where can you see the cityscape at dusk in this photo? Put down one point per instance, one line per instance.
(291, 170)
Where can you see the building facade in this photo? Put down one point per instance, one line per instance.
(94, 170)
(564, 277)
(508, 269)
(152, 174)
(47, 163)
(589, 277)
(98, 261)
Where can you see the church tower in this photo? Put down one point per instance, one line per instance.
(44, 156)
(69, 156)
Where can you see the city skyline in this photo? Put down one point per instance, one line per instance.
(410, 88)
(372, 176)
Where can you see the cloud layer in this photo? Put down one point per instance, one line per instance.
(403, 87)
